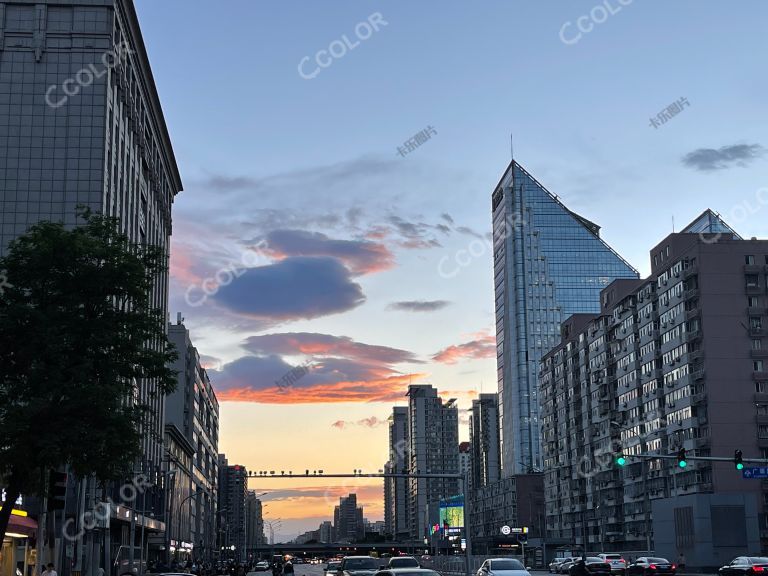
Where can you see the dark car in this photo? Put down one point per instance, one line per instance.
(359, 566)
(650, 565)
(594, 564)
(332, 567)
(403, 562)
(745, 565)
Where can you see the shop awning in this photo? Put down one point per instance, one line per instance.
(20, 527)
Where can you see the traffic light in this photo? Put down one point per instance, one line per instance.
(57, 490)
(737, 460)
(681, 461)
(621, 460)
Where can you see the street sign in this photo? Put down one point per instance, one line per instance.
(506, 530)
(758, 472)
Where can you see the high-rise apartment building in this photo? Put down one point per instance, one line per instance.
(433, 447)
(396, 489)
(348, 520)
(549, 263)
(233, 486)
(674, 361)
(465, 457)
(194, 410)
(484, 441)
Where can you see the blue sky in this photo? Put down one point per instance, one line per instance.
(310, 169)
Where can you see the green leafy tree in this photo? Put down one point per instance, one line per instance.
(78, 337)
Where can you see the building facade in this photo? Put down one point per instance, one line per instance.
(433, 447)
(674, 361)
(549, 263)
(179, 454)
(484, 441)
(233, 486)
(82, 125)
(194, 410)
(396, 489)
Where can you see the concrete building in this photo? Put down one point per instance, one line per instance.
(254, 526)
(348, 522)
(484, 441)
(433, 447)
(194, 410)
(396, 496)
(465, 457)
(674, 361)
(103, 144)
(233, 486)
(549, 263)
(325, 532)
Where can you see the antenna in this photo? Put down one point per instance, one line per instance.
(673, 223)
(511, 147)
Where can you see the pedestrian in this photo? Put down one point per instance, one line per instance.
(681, 562)
(49, 571)
(288, 568)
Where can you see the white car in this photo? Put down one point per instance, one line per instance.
(502, 567)
(555, 564)
(618, 564)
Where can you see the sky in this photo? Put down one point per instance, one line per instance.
(331, 242)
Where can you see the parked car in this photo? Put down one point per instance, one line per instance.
(261, 566)
(650, 565)
(502, 567)
(744, 565)
(617, 562)
(555, 564)
(332, 567)
(594, 564)
(403, 562)
(406, 572)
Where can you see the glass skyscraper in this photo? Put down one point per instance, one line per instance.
(549, 263)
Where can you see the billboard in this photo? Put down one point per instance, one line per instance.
(452, 513)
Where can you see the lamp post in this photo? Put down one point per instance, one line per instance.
(189, 497)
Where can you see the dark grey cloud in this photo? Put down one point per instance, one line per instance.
(468, 231)
(707, 159)
(360, 256)
(291, 289)
(446, 217)
(419, 305)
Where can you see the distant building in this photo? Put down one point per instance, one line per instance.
(549, 263)
(484, 441)
(675, 361)
(179, 454)
(396, 489)
(325, 533)
(348, 520)
(233, 485)
(465, 458)
(433, 447)
(194, 410)
(254, 525)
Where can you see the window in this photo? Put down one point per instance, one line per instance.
(757, 344)
(750, 260)
(757, 365)
(755, 323)
(753, 280)
(754, 301)
(761, 387)
(762, 431)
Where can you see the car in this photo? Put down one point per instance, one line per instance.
(403, 562)
(406, 572)
(332, 566)
(744, 565)
(502, 567)
(594, 564)
(261, 566)
(359, 566)
(566, 566)
(650, 565)
(297, 560)
(555, 563)
(618, 564)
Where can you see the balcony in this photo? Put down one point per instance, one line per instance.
(755, 311)
(761, 353)
(760, 376)
(753, 289)
(691, 293)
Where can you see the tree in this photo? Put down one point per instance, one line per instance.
(79, 340)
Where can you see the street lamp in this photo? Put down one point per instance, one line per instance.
(181, 504)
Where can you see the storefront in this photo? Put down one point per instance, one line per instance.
(16, 556)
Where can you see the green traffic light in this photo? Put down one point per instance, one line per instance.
(739, 466)
(621, 460)
(682, 463)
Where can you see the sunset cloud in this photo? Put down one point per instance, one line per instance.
(370, 422)
(360, 256)
(419, 305)
(484, 346)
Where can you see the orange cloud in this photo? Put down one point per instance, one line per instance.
(387, 389)
(370, 422)
(482, 347)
